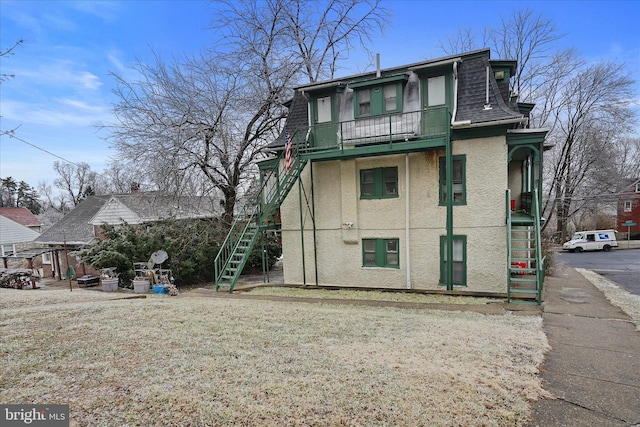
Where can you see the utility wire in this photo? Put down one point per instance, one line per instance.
(11, 134)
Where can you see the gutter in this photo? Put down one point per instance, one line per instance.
(467, 123)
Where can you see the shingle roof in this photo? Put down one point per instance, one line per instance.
(151, 207)
(22, 216)
(472, 82)
(297, 119)
(74, 227)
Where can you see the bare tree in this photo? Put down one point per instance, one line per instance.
(592, 114)
(312, 36)
(6, 53)
(200, 123)
(75, 180)
(54, 200)
(586, 108)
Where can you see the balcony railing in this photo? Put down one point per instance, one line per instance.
(385, 129)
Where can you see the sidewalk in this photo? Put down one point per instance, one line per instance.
(593, 369)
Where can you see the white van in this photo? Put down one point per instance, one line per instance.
(594, 240)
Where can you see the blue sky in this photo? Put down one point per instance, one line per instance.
(63, 87)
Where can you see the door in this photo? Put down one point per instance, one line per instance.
(434, 100)
(324, 119)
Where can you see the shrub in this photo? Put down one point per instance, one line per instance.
(192, 246)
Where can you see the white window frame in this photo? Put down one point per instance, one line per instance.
(627, 205)
(12, 251)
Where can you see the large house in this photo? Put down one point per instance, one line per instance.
(81, 226)
(18, 228)
(629, 208)
(425, 176)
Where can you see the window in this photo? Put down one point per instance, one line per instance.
(380, 253)
(591, 237)
(324, 109)
(364, 102)
(8, 250)
(46, 258)
(459, 260)
(380, 183)
(627, 205)
(390, 97)
(435, 91)
(378, 100)
(637, 187)
(458, 175)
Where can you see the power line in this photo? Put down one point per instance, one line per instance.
(11, 134)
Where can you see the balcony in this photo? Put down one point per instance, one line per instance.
(370, 136)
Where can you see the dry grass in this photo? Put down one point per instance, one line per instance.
(191, 361)
(370, 295)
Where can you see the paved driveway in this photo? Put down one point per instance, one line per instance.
(618, 265)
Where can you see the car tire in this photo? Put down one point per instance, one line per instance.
(579, 249)
(606, 248)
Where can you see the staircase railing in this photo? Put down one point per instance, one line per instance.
(535, 211)
(509, 243)
(261, 212)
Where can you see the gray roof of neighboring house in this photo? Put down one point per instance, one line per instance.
(74, 227)
(149, 207)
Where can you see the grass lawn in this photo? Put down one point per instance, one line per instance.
(195, 361)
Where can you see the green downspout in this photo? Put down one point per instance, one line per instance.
(313, 217)
(304, 268)
(449, 189)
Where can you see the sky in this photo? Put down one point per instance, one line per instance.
(63, 82)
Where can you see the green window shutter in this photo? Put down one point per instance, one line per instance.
(459, 180)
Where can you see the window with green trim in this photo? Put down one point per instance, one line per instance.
(379, 183)
(459, 178)
(459, 260)
(377, 100)
(381, 253)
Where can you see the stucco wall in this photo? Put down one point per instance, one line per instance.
(343, 220)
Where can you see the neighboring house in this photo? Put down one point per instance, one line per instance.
(629, 207)
(81, 226)
(22, 216)
(18, 228)
(393, 173)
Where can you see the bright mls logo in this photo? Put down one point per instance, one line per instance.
(34, 415)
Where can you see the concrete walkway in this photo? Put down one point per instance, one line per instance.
(593, 369)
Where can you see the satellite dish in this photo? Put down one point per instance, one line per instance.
(158, 257)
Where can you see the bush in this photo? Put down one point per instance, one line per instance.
(192, 246)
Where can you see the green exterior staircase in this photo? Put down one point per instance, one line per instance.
(260, 215)
(526, 265)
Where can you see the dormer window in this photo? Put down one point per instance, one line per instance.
(637, 187)
(364, 102)
(378, 100)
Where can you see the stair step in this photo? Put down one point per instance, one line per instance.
(524, 280)
(524, 291)
(523, 270)
(522, 259)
